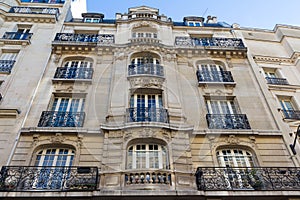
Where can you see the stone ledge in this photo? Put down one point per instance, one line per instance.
(9, 113)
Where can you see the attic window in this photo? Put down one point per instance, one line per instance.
(92, 20)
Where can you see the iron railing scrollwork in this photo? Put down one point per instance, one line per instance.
(218, 76)
(150, 178)
(277, 81)
(227, 121)
(147, 115)
(103, 39)
(146, 69)
(28, 178)
(210, 42)
(61, 119)
(73, 73)
(252, 178)
(34, 10)
(17, 36)
(6, 66)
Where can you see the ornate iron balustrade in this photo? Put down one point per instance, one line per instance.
(104, 39)
(291, 114)
(34, 10)
(220, 76)
(147, 115)
(277, 81)
(210, 42)
(258, 178)
(44, 1)
(150, 178)
(146, 69)
(61, 119)
(74, 73)
(17, 36)
(227, 121)
(26, 178)
(6, 66)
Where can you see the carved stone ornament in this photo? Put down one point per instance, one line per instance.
(233, 140)
(58, 138)
(147, 132)
(35, 139)
(127, 135)
(146, 82)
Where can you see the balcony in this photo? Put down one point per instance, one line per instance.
(291, 114)
(44, 1)
(276, 81)
(103, 39)
(146, 69)
(157, 177)
(17, 36)
(73, 73)
(6, 66)
(258, 178)
(34, 10)
(26, 178)
(61, 119)
(147, 115)
(227, 121)
(219, 76)
(210, 42)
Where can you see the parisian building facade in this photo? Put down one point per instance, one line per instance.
(142, 106)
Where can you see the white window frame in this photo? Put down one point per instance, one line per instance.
(235, 158)
(58, 100)
(80, 64)
(141, 60)
(158, 100)
(43, 153)
(133, 161)
(8, 56)
(230, 106)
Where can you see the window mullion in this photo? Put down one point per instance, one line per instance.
(58, 104)
(147, 156)
(160, 160)
(69, 104)
(134, 157)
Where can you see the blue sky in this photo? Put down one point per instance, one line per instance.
(248, 13)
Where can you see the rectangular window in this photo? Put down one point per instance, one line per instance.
(221, 107)
(66, 104)
(8, 56)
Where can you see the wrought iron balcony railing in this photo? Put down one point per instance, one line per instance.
(44, 1)
(258, 178)
(17, 36)
(210, 42)
(61, 119)
(277, 81)
(73, 73)
(220, 76)
(147, 115)
(104, 39)
(146, 69)
(26, 178)
(6, 66)
(148, 177)
(34, 10)
(291, 114)
(227, 121)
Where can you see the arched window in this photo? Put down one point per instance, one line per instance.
(235, 158)
(52, 168)
(55, 157)
(142, 156)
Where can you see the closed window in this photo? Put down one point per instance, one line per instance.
(235, 158)
(221, 107)
(68, 104)
(141, 156)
